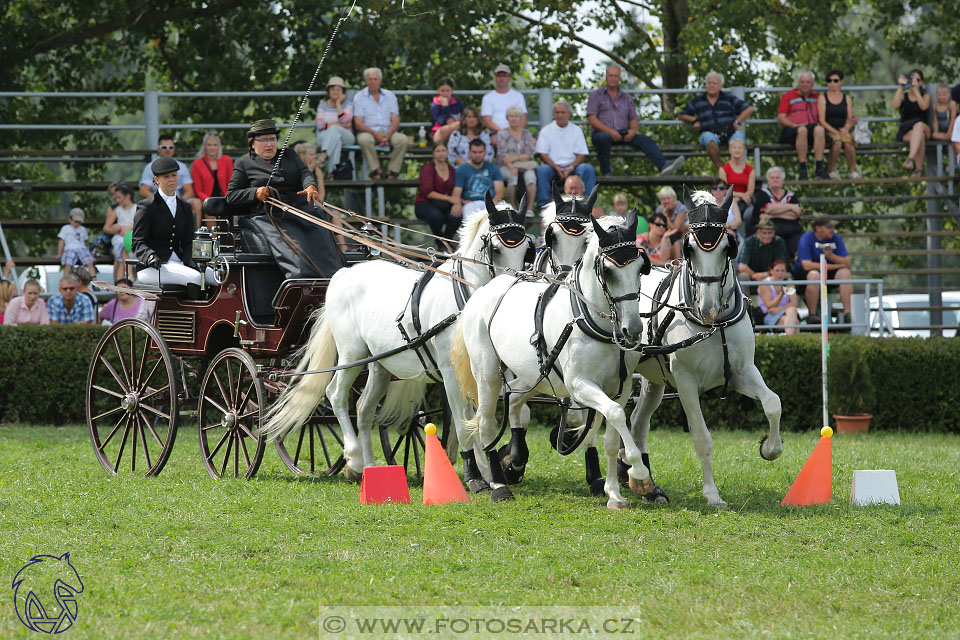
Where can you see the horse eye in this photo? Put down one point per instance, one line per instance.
(496, 249)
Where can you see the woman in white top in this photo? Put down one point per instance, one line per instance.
(119, 223)
(334, 124)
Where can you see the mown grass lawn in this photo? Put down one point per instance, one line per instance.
(184, 556)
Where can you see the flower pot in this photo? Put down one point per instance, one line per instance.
(859, 423)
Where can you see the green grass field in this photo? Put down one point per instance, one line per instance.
(184, 556)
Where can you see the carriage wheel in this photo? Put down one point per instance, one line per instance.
(230, 416)
(406, 446)
(316, 448)
(132, 399)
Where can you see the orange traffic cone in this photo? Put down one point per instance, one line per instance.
(814, 483)
(384, 484)
(441, 484)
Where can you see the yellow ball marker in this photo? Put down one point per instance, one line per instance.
(826, 432)
(430, 429)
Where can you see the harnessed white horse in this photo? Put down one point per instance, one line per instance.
(494, 331)
(567, 229)
(378, 306)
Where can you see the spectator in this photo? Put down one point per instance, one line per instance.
(8, 268)
(470, 129)
(119, 223)
(562, 148)
(122, 307)
(573, 186)
(741, 176)
(84, 278)
(799, 117)
(838, 265)
(493, 107)
(445, 112)
(779, 302)
(719, 190)
(675, 212)
(945, 114)
(376, 118)
(613, 119)
(8, 291)
(516, 149)
(620, 206)
(28, 308)
(914, 106)
(67, 307)
(72, 244)
(835, 112)
(334, 125)
(211, 170)
(760, 251)
(717, 115)
(781, 206)
(435, 200)
(308, 154)
(659, 246)
(955, 139)
(473, 181)
(165, 149)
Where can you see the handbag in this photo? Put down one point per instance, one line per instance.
(344, 170)
(861, 133)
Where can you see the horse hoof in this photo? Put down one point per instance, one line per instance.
(773, 456)
(513, 474)
(477, 485)
(657, 496)
(352, 476)
(641, 487)
(501, 494)
(617, 505)
(597, 487)
(719, 506)
(622, 475)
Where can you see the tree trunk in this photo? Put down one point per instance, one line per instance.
(676, 16)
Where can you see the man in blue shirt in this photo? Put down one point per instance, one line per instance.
(67, 307)
(717, 115)
(823, 241)
(474, 180)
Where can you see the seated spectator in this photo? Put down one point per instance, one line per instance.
(308, 154)
(613, 119)
(562, 148)
(493, 107)
(376, 119)
(775, 203)
(474, 180)
(445, 111)
(470, 129)
(914, 106)
(8, 291)
(675, 212)
(717, 116)
(119, 223)
(620, 207)
(211, 170)
(823, 240)
(516, 149)
(741, 176)
(779, 302)
(72, 244)
(659, 245)
(760, 250)
(435, 200)
(8, 268)
(334, 125)
(945, 114)
(67, 307)
(573, 186)
(165, 149)
(800, 119)
(835, 112)
(84, 278)
(123, 306)
(719, 190)
(28, 308)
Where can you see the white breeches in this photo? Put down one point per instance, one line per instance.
(175, 273)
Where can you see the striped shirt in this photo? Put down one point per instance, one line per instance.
(799, 109)
(82, 310)
(719, 116)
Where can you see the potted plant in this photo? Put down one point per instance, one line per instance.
(850, 391)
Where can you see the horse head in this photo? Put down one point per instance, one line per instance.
(567, 226)
(506, 242)
(46, 580)
(709, 252)
(618, 265)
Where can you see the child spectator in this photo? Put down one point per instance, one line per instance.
(119, 223)
(72, 247)
(445, 111)
(28, 308)
(945, 114)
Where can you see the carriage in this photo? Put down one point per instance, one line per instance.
(214, 363)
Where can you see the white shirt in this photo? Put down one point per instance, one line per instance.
(183, 177)
(171, 202)
(495, 105)
(562, 144)
(955, 137)
(376, 115)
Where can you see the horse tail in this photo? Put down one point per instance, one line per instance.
(400, 404)
(298, 401)
(461, 365)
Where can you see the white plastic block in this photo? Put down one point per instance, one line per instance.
(875, 486)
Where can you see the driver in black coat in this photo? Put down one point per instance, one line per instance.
(301, 249)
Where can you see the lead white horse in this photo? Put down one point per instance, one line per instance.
(566, 231)
(367, 310)
(494, 331)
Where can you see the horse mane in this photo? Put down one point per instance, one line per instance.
(473, 227)
(611, 220)
(703, 197)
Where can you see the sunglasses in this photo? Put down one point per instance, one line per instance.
(719, 187)
(659, 224)
(166, 146)
(833, 79)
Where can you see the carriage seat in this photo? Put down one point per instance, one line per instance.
(251, 239)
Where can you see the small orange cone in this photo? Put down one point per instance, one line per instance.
(384, 484)
(441, 484)
(814, 483)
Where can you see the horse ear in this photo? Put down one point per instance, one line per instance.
(727, 200)
(592, 198)
(687, 199)
(555, 194)
(631, 222)
(491, 207)
(602, 234)
(523, 205)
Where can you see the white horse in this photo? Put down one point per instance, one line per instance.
(494, 331)
(703, 297)
(566, 231)
(369, 310)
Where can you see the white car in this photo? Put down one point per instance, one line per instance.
(48, 276)
(903, 315)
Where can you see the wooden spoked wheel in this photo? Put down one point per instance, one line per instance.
(230, 416)
(406, 445)
(132, 399)
(315, 448)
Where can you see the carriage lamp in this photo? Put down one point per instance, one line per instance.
(205, 246)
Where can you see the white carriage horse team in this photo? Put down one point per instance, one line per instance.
(578, 328)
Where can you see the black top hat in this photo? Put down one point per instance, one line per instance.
(262, 127)
(163, 166)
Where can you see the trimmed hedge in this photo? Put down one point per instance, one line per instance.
(43, 377)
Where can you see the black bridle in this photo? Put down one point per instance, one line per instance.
(717, 231)
(625, 258)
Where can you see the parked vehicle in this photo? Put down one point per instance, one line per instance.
(908, 314)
